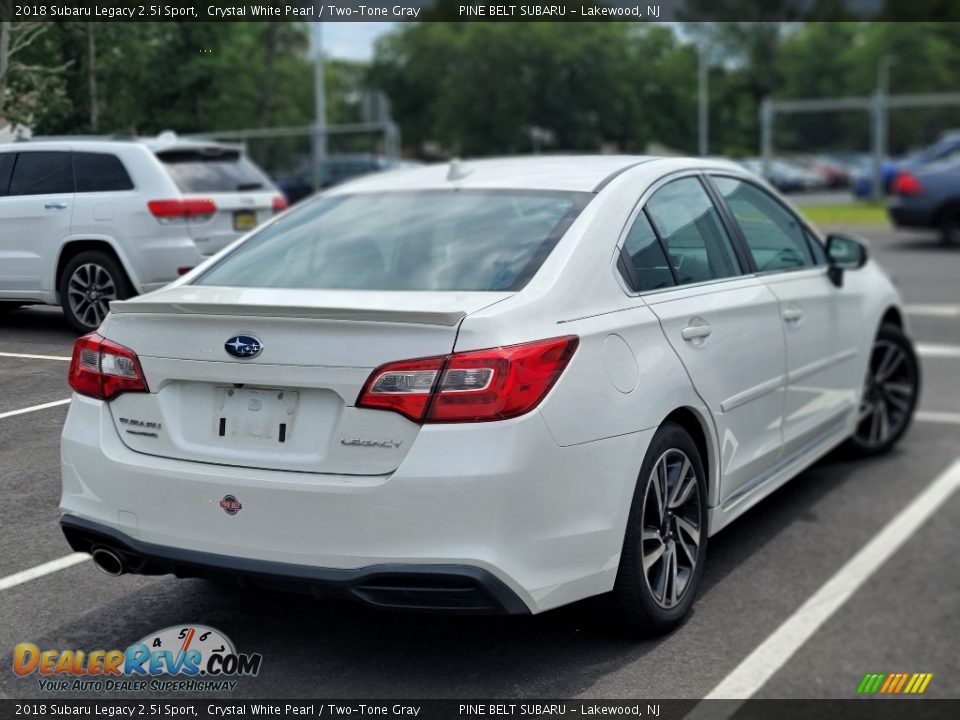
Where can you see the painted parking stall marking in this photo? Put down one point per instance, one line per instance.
(34, 408)
(39, 571)
(933, 310)
(771, 655)
(30, 356)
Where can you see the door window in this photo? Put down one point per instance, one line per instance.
(100, 172)
(647, 267)
(42, 173)
(775, 238)
(688, 223)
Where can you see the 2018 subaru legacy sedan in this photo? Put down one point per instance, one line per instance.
(493, 386)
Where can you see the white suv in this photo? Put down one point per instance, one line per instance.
(90, 221)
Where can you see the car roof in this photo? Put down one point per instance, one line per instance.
(161, 143)
(541, 172)
(571, 173)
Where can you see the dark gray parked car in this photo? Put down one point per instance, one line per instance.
(928, 196)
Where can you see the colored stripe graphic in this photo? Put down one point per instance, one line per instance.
(894, 683)
(870, 683)
(899, 687)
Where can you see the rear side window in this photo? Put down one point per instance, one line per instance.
(690, 227)
(100, 172)
(6, 165)
(776, 239)
(647, 264)
(213, 170)
(430, 240)
(42, 173)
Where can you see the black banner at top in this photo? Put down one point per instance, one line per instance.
(479, 11)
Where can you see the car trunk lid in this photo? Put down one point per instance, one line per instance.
(291, 405)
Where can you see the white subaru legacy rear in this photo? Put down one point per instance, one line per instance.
(498, 386)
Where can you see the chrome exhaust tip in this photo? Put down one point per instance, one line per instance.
(108, 561)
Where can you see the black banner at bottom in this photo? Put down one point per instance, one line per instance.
(854, 709)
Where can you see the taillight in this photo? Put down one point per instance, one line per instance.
(279, 203)
(102, 369)
(905, 183)
(477, 386)
(180, 209)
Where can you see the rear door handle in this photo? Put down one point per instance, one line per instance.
(56, 206)
(792, 314)
(692, 332)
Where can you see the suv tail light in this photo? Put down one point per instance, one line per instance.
(906, 183)
(477, 386)
(181, 209)
(102, 369)
(279, 203)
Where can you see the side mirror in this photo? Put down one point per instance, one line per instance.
(844, 253)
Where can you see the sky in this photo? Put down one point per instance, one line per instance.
(352, 40)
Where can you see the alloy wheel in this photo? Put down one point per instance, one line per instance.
(888, 395)
(89, 292)
(670, 532)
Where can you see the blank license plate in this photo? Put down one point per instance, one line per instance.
(244, 220)
(255, 413)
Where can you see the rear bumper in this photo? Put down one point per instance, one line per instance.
(501, 499)
(434, 588)
(911, 217)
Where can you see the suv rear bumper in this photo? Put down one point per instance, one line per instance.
(434, 588)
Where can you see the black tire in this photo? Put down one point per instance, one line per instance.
(639, 606)
(950, 227)
(891, 390)
(106, 278)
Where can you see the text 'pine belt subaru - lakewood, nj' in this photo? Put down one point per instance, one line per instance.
(496, 386)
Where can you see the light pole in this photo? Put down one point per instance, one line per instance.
(880, 124)
(320, 104)
(703, 97)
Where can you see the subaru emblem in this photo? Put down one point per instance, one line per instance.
(243, 346)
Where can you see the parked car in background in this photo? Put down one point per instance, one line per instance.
(420, 390)
(928, 196)
(862, 185)
(947, 147)
(88, 221)
(833, 173)
(785, 175)
(336, 169)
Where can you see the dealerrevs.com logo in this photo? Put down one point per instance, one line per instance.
(179, 658)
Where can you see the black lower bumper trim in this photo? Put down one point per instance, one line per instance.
(432, 588)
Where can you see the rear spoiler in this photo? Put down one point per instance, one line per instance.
(420, 317)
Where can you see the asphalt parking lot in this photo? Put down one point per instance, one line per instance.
(760, 573)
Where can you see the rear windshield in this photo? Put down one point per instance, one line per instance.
(432, 240)
(213, 170)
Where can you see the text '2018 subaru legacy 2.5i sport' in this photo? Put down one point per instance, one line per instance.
(89, 221)
(499, 386)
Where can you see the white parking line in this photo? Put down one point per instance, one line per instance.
(22, 411)
(28, 356)
(934, 416)
(774, 652)
(40, 570)
(930, 350)
(930, 310)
